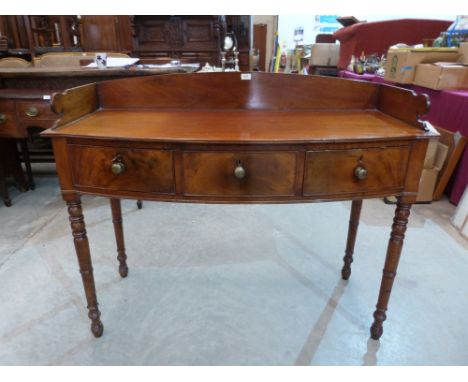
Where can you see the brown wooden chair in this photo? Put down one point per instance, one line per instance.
(14, 62)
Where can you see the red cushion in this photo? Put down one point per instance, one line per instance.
(377, 37)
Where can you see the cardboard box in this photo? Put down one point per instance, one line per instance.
(431, 152)
(456, 144)
(441, 75)
(324, 54)
(429, 176)
(401, 63)
(463, 50)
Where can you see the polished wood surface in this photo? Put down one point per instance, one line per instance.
(258, 126)
(66, 71)
(225, 138)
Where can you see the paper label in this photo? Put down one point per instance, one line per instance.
(246, 76)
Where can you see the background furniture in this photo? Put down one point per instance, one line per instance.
(377, 37)
(449, 110)
(10, 167)
(25, 105)
(14, 62)
(192, 141)
(187, 38)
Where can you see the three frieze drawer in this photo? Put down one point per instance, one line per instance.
(241, 173)
(123, 169)
(355, 170)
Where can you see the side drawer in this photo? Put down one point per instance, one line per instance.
(35, 110)
(212, 173)
(8, 126)
(140, 169)
(358, 170)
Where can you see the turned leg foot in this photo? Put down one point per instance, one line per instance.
(395, 245)
(352, 231)
(376, 329)
(80, 240)
(119, 236)
(139, 204)
(97, 328)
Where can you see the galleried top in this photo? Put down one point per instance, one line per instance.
(240, 108)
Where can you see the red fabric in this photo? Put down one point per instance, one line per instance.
(377, 37)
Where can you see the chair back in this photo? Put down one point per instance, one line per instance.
(14, 62)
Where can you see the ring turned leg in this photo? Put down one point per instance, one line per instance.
(119, 236)
(352, 231)
(395, 245)
(84, 259)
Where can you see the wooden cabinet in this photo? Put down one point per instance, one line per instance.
(107, 33)
(190, 38)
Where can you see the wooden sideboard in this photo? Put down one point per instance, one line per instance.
(239, 138)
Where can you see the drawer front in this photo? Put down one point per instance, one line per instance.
(140, 170)
(35, 110)
(8, 126)
(215, 174)
(360, 170)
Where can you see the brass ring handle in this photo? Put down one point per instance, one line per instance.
(360, 173)
(3, 118)
(118, 167)
(32, 111)
(239, 171)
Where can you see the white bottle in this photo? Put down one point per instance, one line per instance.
(350, 67)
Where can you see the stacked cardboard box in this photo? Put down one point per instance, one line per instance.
(433, 163)
(401, 63)
(441, 75)
(324, 54)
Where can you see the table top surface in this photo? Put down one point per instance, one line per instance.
(68, 71)
(239, 126)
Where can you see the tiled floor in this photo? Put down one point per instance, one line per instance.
(229, 285)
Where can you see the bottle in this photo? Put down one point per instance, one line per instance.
(350, 66)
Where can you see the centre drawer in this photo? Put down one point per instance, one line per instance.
(358, 170)
(123, 168)
(239, 174)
